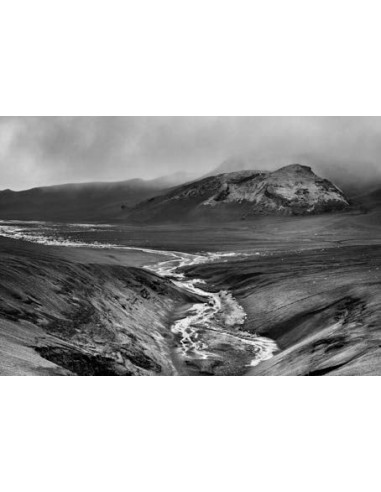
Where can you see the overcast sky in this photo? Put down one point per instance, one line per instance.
(52, 150)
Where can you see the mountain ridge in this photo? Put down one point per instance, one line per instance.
(291, 190)
(90, 201)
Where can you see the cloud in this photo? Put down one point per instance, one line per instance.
(48, 150)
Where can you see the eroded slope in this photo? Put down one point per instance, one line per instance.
(64, 317)
(292, 190)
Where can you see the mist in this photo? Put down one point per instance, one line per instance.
(40, 151)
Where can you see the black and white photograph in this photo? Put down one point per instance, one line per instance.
(190, 246)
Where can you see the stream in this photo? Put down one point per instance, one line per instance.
(220, 313)
(206, 331)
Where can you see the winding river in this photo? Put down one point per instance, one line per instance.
(204, 325)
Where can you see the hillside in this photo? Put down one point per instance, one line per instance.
(87, 201)
(345, 177)
(81, 312)
(320, 305)
(75, 202)
(291, 190)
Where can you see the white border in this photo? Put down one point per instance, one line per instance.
(180, 57)
(189, 58)
(189, 434)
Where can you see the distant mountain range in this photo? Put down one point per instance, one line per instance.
(73, 202)
(83, 201)
(226, 194)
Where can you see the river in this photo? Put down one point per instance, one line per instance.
(204, 327)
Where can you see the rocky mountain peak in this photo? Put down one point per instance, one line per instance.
(291, 190)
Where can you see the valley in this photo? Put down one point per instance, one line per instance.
(302, 292)
(249, 272)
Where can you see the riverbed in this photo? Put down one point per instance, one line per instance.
(208, 333)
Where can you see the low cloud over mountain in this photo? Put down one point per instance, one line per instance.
(54, 150)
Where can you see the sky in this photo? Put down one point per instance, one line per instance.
(40, 151)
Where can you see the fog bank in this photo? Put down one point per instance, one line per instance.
(37, 151)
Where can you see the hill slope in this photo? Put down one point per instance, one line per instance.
(75, 312)
(292, 190)
(77, 202)
(345, 175)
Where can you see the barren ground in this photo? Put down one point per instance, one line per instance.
(311, 284)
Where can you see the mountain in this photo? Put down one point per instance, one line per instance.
(78, 202)
(345, 175)
(291, 190)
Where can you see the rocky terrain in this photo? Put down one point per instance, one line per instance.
(322, 306)
(292, 190)
(68, 312)
(311, 284)
(349, 181)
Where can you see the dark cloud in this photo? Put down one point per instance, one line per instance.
(48, 150)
